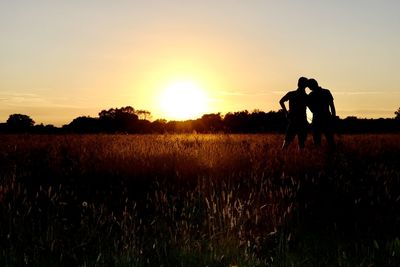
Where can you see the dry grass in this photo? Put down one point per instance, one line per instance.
(200, 200)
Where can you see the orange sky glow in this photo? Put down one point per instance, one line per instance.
(63, 60)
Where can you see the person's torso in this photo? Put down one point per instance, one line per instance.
(298, 104)
(319, 102)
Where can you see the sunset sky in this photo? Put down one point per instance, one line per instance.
(63, 59)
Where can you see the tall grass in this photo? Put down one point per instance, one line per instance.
(198, 200)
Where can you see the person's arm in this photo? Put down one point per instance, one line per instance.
(333, 110)
(332, 105)
(309, 103)
(282, 103)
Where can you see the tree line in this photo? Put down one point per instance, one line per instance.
(129, 120)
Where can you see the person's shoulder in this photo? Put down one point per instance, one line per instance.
(327, 93)
(291, 93)
(287, 96)
(312, 93)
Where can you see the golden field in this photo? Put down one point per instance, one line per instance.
(198, 200)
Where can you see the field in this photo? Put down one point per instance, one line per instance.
(198, 200)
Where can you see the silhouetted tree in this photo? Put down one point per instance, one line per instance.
(209, 123)
(237, 122)
(129, 120)
(84, 125)
(143, 114)
(159, 126)
(275, 121)
(19, 122)
(397, 113)
(45, 129)
(257, 121)
(3, 127)
(119, 120)
(352, 125)
(180, 126)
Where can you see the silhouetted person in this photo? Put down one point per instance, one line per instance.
(320, 102)
(297, 118)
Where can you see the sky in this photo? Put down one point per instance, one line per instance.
(64, 59)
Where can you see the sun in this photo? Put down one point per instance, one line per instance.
(183, 100)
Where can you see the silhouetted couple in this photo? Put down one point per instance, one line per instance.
(320, 102)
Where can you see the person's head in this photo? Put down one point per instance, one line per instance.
(313, 84)
(302, 83)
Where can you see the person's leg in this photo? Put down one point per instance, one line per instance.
(302, 134)
(290, 134)
(329, 136)
(316, 129)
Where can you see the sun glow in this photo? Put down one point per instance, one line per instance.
(183, 100)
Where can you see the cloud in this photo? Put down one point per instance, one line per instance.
(366, 113)
(358, 92)
(14, 99)
(243, 93)
(19, 98)
(367, 110)
(279, 92)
